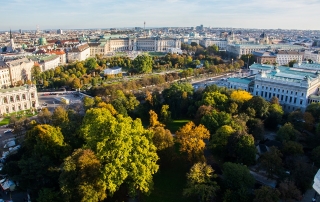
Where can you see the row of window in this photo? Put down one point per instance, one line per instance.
(19, 108)
(284, 98)
(278, 90)
(18, 98)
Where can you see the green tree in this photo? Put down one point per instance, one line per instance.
(287, 132)
(266, 194)
(259, 104)
(289, 191)
(35, 72)
(256, 128)
(123, 147)
(143, 63)
(215, 119)
(76, 83)
(237, 178)
(44, 116)
(200, 182)
(165, 114)
(88, 102)
(81, 179)
(91, 64)
(275, 116)
(316, 156)
(271, 162)
(215, 99)
(291, 148)
(219, 140)
(47, 194)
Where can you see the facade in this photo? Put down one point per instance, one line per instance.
(292, 86)
(61, 54)
(264, 57)
(17, 99)
(16, 70)
(284, 57)
(312, 55)
(240, 83)
(222, 44)
(46, 62)
(237, 50)
(78, 53)
(98, 48)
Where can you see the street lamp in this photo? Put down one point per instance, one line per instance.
(232, 61)
(248, 62)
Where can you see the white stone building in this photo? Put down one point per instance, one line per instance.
(17, 99)
(283, 57)
(112, 71)
(292, 86)
(78, 53)
(46, 62)
(221, 43)
(312, 55)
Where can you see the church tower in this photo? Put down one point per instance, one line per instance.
(11, 46)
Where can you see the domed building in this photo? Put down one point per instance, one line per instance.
(42, 41)
(264, 39)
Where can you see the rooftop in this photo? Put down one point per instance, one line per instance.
(5, 90)
(240, 80)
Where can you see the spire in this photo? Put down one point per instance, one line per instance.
(10, 34)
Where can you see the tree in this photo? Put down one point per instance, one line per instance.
(215, 120)
(190, 137)
(271, 162)
(143, 63)
(256, 128)
(88, 102)
(275, 116)
(287, 132)
(81, 179)
(266, 194)
(47, 194)
(91, 64)
(291, 148)
(219, 140)
(59, 116)
(162, 138)
(292, 62)
(240, 96)
(44, 116)
(123, 147)
(289, 191)
(76, 83)
(259, 104)
(215, 99)
(46, 140)
(200, 182)
(35, 72)
(237, 178)
(165, 114)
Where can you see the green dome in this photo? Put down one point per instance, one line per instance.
(24, 46)
(42, 41)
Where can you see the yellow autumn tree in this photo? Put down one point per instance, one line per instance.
(191, 139)
(154, 119)
(108, 107)
(240, 96)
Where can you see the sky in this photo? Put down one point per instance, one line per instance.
(88, 14)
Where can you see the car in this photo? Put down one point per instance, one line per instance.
(8, 131)
(44, 104)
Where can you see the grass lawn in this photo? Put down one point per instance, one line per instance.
(4, 121)
(176, 124)
(169, 184)
(156, 54)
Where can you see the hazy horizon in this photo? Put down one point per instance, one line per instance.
(99, 14)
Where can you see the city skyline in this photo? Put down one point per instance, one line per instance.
(81, 14)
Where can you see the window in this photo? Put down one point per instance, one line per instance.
(296, 93)
(281, 97)
(286, 98)
(32, 95)
(290, 99)
(5, 100)
(11, 99)
(261, 93)
(295, 100)
(302, 94)
(301, 102)
(291, 92)
(18, 98)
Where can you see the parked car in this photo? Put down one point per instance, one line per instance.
(8, 131)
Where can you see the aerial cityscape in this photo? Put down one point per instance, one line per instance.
(160, 101)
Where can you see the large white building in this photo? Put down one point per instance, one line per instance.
(46, 62)
(78, 53)
(221, 43)
(283, 57)
(17, 99)
(312, 55)
(15, 70)
(292, 86)
(237, 50)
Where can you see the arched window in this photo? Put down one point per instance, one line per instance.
(33, 104)
(24, 96)
(32, 95)
(11, 99)
(5, 100)
(17, 97)
(25, 106)
(13, 108)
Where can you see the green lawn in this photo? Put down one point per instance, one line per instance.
(156, 54)
(176, 124)
(5, 121)
(169, 184)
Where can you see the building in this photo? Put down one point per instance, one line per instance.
(312, 55)
(59, 31)
(240, 83)
(294, 87)
(61, 54)
(46, 61)
(221, 43)
(285, 56)
(97, 48)
(13, 71)
(17, 99)
(264, 57)
(237, 50)
(112, 71)
(78, 53)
